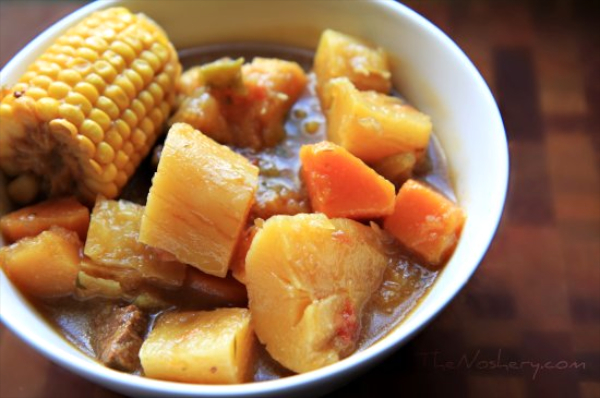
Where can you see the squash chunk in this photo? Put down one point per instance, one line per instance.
(113, 242)
(211, 347)
(199, 201)
(340, 55)
(308, 279)
(373, 126)
(30, 221)
(425, 222)
(44, 266)
(341, 185)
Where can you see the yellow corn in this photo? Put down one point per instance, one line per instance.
(90, 108)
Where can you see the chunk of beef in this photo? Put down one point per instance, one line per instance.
(118, 336)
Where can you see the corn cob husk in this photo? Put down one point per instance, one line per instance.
(89, 109)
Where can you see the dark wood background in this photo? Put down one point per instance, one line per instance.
(536, 297)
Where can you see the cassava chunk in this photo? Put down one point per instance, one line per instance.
(340, 55)
(373, 126)
(211, 347)
(308, 279)
(113, 242)
(425, 222)
(30, 221)
(45, 265)
(238, 262)
(244, 106)
(341, 185)
(199, 201)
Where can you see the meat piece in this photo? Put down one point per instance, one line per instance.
(119, 336)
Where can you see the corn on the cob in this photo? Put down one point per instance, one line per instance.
(90, 108)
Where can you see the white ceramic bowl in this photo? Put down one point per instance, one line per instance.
(429, 69)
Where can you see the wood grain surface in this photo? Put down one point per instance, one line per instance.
(528, 322)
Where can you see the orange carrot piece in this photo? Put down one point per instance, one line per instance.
(67, 213)
(426, 222)
(340, 185)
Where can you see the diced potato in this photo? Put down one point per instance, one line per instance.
(45, 265)
(425, 222)
(244, 112)
(341, 185)
(30, 221)
(340, 55)
(373, 126)
(199, 201)
(213, 347)
(308, 279)
(90, 287)
(113, 241)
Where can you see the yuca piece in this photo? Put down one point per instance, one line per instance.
(211, 347)
(308, 279)
(87, 111)
(199, 200)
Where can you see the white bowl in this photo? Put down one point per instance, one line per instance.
(429, 69)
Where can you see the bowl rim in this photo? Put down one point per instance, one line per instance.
(369, 356)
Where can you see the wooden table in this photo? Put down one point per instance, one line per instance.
(533, 307)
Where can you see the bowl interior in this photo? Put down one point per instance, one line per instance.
(428, 69)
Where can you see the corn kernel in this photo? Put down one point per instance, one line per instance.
(106, 105)
(164, 81)
(36, 93)
(104, 153)
(109, 172)
(161, 52)
(124, 50)
(147, 99)
(49, 69)
(138, 108)
(121, 159)
(115, 60)
(47, 108)
(126, 86)
(96, 81)
(156, 116)
(63, 129)
(152, 60)
(113, 138)
(123, 129)
(147, 126)
(130, 118)
(80, 65)
(95, 167)
(101, 118)
(144, 69)
(59, 90)
(72, 113)
(88, 54)
(69, 76)
(92, 130)
(139, 139)
(135, 79)
(96, 43)
(156, 91)
(86, 145)
(41, 81)
(118, 96)
(128, 148)
(105, 70)
(121, 179)
(87, 90)
(80, 101)
(133, 42)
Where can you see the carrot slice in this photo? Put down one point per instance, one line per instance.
(426, 222)
(340, 185)
(67, 213)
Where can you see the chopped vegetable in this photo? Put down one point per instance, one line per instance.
(200, 347)
(308, 279)
(89, 109)
(396, 168)
(90, 287)
(425, 222)
(30, 221)
(238, 262)
(250, 116)
(373, 126)
(199, 201)
(45, 265)
(340, 55)
(220, 291)
(341, 185)
(113, 241)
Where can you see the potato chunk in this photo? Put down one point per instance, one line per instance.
(340, 55)
(211, 347)
(425, 222)
(308, 279)
(31, 220)
(341, 185)
(199, 201)
(373, 126)
(113, 242)
(44, 266)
